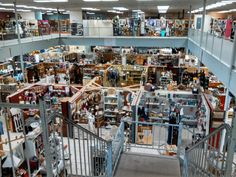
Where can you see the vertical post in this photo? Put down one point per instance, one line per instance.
(189, 25)
(190, 17)
(221, 47)
(27, 147)
(122, 138)
(19, 39)
(109, 159)
(69, 127)
(202, 31)
(232, 61)
(44, 126)
(230, 152)
(226, 107)
(59, 23)
(10, 147)
(179, 138)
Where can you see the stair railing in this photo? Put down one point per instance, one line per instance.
(208, 156)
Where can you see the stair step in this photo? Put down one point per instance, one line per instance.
(140, 165)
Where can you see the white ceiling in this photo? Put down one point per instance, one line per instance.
(145, 5)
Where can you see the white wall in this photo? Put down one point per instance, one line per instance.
(76, 17)
(27, 15)
(207, 23)
(98, 27)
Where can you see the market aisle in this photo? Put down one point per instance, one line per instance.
(136, 165)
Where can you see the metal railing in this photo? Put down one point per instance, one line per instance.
(117, 146)
(7, 39)
(89, 154)
(157, 138)
(208, 156)
(55, 148)
(218, 46)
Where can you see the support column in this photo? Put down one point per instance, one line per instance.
(227, 99)
(202, 31)
(226, 108)
(9, 144)
(231, 148)
(109, 159)
(189, 24)
(44, 127)
(19, 40)
(59, 25)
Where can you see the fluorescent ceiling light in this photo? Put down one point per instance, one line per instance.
(2, 8)
(6, 9)
(90, 8)
(138, 11)
(100, 0)
(90, 13)
(7, 5)
(115, 11)
(215, 5)
(66, 12)
(50, 13)
(163, 7)
(21, 6)
(41, 1)
(120, 8)
(23, 10)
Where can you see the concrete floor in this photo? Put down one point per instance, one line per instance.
(136, 165)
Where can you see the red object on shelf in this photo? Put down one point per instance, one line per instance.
(228, 28)
(222, 102)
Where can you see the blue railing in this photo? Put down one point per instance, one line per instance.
(218, 46)
(117, 146)
(208, 157)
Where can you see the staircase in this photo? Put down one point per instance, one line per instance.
(143, 165)
(209, 156)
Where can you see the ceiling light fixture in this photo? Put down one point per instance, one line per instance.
(100, 0)
(42, 1)
(162, 9)
(90, 13)
(215, 5)
(8, 9)
(115, 11)
(120, 8)
(7, 5)
(90, 9)
(23, 10)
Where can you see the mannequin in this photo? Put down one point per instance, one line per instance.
(91, 120)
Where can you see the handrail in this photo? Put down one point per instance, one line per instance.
(208, 153)
(223, 126)
(85, 130)
(150, 123)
